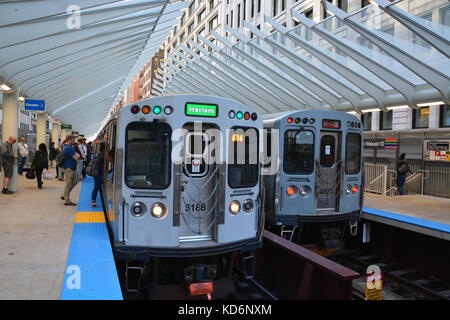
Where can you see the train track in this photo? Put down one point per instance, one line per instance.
(403, 281)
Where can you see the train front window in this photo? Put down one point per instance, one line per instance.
(243, 158)
(148, 155)
(353, 153)
(298, 152)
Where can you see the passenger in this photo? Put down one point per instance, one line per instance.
(59, 162)
(8, 158)
(23, 155)
(70, 169)
(98, 180)
(52, 155)
(40, 162)
(82, 152)
(110, 159)
(402, 169)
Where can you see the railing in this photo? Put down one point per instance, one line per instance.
(375, 178)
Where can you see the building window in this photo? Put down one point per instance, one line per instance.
(213, 23)
(421, 117)
(192, 7)
(174, 30)
(309, 14)
(202, 32)
(275, 8)
(201, 15)
(212, 4)
(364, 3)
(444, 116)
(283, 5)
(343, 5)
(191, 27)
(183, 19)
(386, 120)
(259, 6)
(253, 9)
(231, 18)
(227, 21)
(366, 120)
(239, 16)
(245, 7)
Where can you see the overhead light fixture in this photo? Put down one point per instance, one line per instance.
(426, 104)
(21, 99)
(370, 110)
(397, 107)
(5, 87)
(352, 112)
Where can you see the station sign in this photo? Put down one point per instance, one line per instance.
(436, 150)
(66, 126)
(34, 105)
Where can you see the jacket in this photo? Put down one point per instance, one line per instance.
(7, 154)
(40, 160)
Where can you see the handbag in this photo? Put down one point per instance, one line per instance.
(30, 174)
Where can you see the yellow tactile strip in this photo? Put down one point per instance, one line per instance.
(89, 217)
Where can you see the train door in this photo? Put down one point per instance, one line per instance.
(328, 171)
(199, 186)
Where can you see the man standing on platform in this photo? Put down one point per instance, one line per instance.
(70, 169)
(8, 158)
(23, 154)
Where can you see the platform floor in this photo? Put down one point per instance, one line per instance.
(35, 234)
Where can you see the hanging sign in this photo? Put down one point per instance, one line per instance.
(34, 105)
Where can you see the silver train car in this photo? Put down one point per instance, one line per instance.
(174, 189)
(315, 185)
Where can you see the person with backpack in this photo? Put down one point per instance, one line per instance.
(39, 163)
(70, 169)
(95, 169)
(402, 170)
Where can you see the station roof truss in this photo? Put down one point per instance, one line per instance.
(80, 55)
(384, 56)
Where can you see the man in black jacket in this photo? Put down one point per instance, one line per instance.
(8, 158)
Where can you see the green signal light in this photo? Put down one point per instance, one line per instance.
(239, 115)
(157, 109)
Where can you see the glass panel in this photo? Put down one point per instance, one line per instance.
(386, 120)
(366, 119)
(353, 153)
(445, 116)
(421, 117)
(327, 151)
(148, 155)
(243, 158)
(298, 152)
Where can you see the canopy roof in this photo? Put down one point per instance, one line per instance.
(386, 55)
(79, 56)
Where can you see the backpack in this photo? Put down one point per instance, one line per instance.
(93, 167)
(403, 168)
(60, 159)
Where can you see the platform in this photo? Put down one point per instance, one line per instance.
(424, 214)
(91, 272)
(35, 233)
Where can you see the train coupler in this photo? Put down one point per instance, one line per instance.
(353, 227)
(199, 279)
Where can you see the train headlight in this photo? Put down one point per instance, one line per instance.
(158, 210)
(291, 191)
(304, 191)
(231, 114)
(235, 207)
(355, 188)
(168, 110)
(138, 209)
(248, 205)
(348, 189)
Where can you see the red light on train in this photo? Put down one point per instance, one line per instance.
(135, 109)
(355, 189)
(289, 120)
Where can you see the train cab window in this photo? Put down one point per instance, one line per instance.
(194, 162)
(298, 152)
(327, 151)
(268, 147)
(353, 153)
(243, 158)
(148, 155)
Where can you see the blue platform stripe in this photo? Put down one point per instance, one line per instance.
(410, 220)
(91, 272)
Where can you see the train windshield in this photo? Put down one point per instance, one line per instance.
(353, 153)
(298, 152)
(148, 155)
(243, 158)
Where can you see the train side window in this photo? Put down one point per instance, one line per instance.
(148, 155)
(353, 153)
(327, 151)
(111, 146)
(243, 157)
(298, 152)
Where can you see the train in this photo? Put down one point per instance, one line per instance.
(182, 196)
(313, 188)
(195, 179)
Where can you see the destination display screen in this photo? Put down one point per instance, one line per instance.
(201, 110)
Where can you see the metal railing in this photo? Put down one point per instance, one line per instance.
(375, 178)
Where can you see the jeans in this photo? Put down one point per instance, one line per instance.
(21, 163)
(401, 183)
(98, 181)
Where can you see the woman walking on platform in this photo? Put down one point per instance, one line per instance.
(40, 162)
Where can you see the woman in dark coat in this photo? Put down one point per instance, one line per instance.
(52, 154)
(40, 162)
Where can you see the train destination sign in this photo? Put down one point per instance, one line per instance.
(201, 110)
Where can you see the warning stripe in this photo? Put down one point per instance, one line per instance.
(89, 217)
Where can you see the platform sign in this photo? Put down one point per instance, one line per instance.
(374, 283)
(390, 144)
(436, 150)
(66, 126)
(34, 105)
